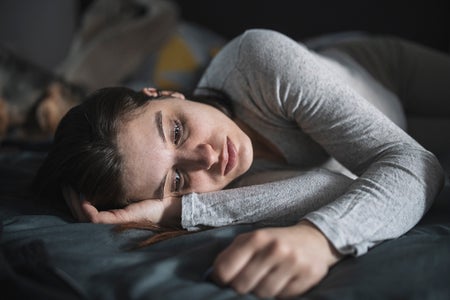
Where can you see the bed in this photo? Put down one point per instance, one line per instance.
(46, 254)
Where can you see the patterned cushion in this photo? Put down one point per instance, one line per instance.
(180, 61)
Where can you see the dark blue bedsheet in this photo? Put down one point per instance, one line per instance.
(45, 254)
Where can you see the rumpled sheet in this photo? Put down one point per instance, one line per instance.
(45, 254)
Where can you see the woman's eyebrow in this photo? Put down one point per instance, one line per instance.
(159, 125)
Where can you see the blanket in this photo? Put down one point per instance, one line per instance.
(46, 254)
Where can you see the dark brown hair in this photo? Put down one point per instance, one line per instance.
(85, 156)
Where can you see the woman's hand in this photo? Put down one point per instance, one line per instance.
(166, 211)
(276, 262)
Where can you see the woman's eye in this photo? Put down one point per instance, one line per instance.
(177, 182)
(177, 132)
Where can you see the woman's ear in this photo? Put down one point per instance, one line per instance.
(152, 92)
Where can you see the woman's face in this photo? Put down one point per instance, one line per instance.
(176, 146)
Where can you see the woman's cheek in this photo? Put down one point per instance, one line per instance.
(202, 183)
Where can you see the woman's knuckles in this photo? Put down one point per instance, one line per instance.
(280, 249)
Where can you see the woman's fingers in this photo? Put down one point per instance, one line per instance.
(167, 210)
(68, 198)
(232, 260)
(259, 266)
(270, 262)
(84, 211)
(248, 260)
(275, 280)
(290, 279)
(145, 210)
(73, 201)
(96, 216)
(300, 285)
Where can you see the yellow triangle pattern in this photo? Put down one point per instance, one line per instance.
(175, 56)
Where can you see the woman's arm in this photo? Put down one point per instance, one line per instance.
(280, 202)
(398, 178)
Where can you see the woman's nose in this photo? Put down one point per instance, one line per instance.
(202, 157)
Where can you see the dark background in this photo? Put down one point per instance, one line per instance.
(42, 30)
(425, 21)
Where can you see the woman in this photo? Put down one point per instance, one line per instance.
(296, 113)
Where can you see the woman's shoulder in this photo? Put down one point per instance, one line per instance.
(265, 41)
(253, 51)
(256, 46)
(262, 36)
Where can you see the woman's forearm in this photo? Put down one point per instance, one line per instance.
(280, 202)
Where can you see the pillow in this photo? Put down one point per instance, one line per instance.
(180, 61)
(114, 39)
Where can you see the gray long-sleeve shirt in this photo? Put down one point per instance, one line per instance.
(316, 107)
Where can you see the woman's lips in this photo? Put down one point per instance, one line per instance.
(232, 155)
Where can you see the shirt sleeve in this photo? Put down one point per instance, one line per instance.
(279, 202)
(398, 178)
